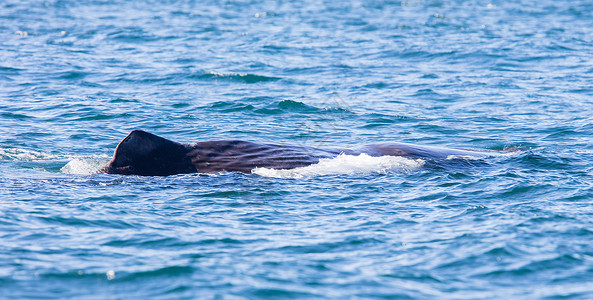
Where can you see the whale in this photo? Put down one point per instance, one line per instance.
(146, 154)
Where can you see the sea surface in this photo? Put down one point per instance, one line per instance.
(77, 76)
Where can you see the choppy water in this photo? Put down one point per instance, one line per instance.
(77, 76)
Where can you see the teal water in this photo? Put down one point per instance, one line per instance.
(77, 76)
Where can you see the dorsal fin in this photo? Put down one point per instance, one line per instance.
(143, 153)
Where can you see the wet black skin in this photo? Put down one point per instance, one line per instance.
(143, 153)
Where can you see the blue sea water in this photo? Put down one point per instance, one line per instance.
(77, 76)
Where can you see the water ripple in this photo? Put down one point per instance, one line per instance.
(76, 77)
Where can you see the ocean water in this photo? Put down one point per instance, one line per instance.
(77, 76)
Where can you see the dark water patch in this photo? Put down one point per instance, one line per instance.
(262, 219)
(296, 106)
(9, 115)
(414, 276)
(543, 161)
(226, 194)
(585, 91)
(348, 243)
(269, 111)
(227, 106)
(534, 269)
(313, 70)
(123, 100)
(278, 293)
(136, 77)
(426, 92)
(171, 271)
(546, 219)
(133, 35)
(89, 84)
(562, 133)
(376, 120)
(269, 107)
(9, 70)
(377, 85)
(229, 242)
(421, 54)
(92, 280)
(76, 222)
(525, 192)
(180, 105)
(143, 241)
(581, 196)
(76, 275)
(234, 77)
(36, 134)
(508, 252)
(429, 76)
(73, 75)
(100, 117)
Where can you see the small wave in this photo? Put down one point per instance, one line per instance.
(246, 78)
(346, 164)
(296, 106)
(482, 154)
(269, 107)
(77, 164)
(24, 154)
(85, 165)
(463, 157)
(10, 115)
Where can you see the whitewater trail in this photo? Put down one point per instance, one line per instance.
(346, 164)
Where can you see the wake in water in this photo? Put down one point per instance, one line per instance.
(23, 154)
(31, 159)
(346, 164)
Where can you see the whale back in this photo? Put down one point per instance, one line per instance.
(143, 153)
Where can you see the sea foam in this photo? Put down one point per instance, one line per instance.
(85, 165)
(346, 164)
(19, 154)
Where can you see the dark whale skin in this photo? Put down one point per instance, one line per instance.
(146, 154)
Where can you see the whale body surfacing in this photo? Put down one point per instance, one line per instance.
(146, 154)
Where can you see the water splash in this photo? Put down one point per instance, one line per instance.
(85, 165)
(26, 155)
(77, 164)
(347, 164)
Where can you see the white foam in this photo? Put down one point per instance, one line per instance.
(463, 157)
(78, 164)
(85, 165)
(346, 164)
(24, 154)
